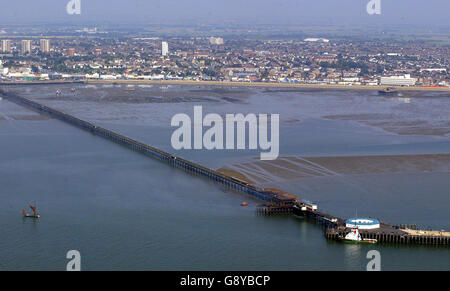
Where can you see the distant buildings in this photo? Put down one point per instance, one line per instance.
(242, 60)
(316, 40)
(440, 70)
(45, 45)
(88, 30)
(97, 51)
(71, 52)
(326, 59)
(216, 40)
(164, 48)
(26, 47)
(6, 46)
(404, 80)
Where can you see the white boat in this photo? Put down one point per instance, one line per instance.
(355, 237)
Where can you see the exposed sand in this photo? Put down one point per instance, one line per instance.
(134, 95)
(25, 117)
(285, 168)
(266, 84)
(241, 84)
(390, 122)
(30, 117)
(413, 112)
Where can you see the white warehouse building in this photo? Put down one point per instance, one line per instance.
(313, 39)
(404, 80)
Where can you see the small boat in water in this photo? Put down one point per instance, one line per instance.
(388, 91)
(355, 237)
(34, 215)
(244, 204)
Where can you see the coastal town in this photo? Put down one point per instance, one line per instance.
(94, 56)
(225, 143)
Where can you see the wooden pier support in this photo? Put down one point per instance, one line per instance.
(274, 209)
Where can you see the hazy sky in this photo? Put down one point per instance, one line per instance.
(426, 12)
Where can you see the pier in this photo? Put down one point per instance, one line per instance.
(188, 166)
(388, 234)
(275, 201)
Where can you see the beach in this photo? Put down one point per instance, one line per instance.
(236, 84)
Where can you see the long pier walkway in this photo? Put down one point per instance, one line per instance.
(135, 145)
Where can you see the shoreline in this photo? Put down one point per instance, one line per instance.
(228, 84)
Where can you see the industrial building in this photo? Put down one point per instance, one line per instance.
(311, 39)
(404, 80)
